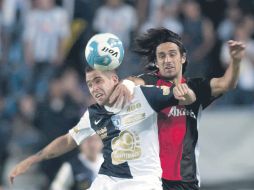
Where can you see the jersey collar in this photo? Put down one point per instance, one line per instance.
(158, 74)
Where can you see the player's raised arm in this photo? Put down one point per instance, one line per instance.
(121, 94)
(58, 147)
(229, 79)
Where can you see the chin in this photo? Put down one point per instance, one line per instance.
(101, 103)
(170, 76)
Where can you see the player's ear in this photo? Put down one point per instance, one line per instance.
(115, 78)
(155, 64)
(183, 58)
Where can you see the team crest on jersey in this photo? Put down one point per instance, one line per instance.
(125, 147)
(116, 121)
(121, 121)
(165, 90)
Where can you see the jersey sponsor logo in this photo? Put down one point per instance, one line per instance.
(129, 120)
(96, 122)
(125, 120)
(125, 147)
(133, 107)
(176, 112)
(103, 132)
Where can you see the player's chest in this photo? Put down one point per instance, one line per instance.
(129, 118)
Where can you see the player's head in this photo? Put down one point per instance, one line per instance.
(164, 48)
(101, 84)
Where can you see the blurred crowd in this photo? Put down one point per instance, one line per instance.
(42, 42)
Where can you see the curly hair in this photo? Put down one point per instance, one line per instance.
(146, 44)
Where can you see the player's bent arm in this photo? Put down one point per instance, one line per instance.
(190, 98)
(58, 147)
(163, 96)
(122, 94)
(229, 80)
(184, 94)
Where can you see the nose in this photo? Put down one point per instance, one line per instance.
(93, 88)
(167, 58)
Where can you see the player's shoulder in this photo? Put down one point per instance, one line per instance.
(150, 74)
(149, 77)
(197, 80)
(96, 109)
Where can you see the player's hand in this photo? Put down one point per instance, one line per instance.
(183, 93)
(120, 96)
(19, 169)
(180, 91)
(236, 49)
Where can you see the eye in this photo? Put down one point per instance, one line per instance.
(97, 81)
(89, 85)
(161, 56)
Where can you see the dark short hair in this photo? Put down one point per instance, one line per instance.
(146, 44)
(88, 69)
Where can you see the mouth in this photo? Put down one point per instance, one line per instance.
(169, 68)
(98, 95)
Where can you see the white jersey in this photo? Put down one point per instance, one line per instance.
(130, 137)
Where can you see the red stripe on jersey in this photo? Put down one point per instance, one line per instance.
(172, 129)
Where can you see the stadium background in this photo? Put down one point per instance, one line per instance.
(42, 81)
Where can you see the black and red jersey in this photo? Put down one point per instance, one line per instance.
(178, 130)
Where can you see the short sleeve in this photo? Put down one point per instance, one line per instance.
(202, 89)
(82, 130)
(148, 78)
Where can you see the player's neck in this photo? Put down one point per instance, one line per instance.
(177, 79)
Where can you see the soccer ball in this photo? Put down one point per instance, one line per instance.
(104, 51)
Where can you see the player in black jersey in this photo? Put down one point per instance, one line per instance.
(165, 50)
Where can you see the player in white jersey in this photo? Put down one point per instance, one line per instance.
(129, 135)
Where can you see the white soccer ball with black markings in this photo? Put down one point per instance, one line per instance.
(104, 51)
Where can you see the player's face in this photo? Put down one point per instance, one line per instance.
(101, 85)
(169, 60)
